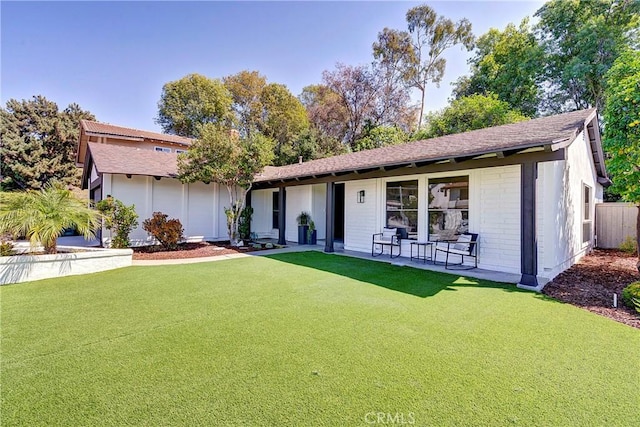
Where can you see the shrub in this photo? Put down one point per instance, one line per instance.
(629, 245)
(167, 232)
(630, 293)
(6, 249)
(244, 225)
(118, 219)
(42, 216)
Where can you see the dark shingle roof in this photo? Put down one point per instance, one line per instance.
(531, 133)
(111, 130)
(134, 161)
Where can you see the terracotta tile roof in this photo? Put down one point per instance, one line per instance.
(532, 133)
(118, 159)
(111, 130)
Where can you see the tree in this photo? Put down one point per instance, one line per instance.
(42, 216)
(283, 120)
(326, 111)
(119, 219)
(38, 143)
(246, 90)
(417, 54)
(381, 136)
(506, 63)
(469, 113)
(622, 128)
(229, 159)
(582, 39)
(192, 101)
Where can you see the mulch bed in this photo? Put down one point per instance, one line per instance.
(189, 250)
(591, 283)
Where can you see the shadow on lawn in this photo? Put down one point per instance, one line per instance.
(413, 281)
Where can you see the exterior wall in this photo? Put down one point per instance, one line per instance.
(361, 220)
(494, 213)
(262, 204)
(561, 197)
(197, 205)
(318, 209)
(299, 199)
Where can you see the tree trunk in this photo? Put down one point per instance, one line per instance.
(421, 110)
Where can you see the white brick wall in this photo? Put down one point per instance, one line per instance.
(361, 219)
(496, 211)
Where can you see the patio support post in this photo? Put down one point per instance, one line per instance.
(330, 216)
(281, 215)
(528, 248)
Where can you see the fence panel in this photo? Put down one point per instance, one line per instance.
(614, 222)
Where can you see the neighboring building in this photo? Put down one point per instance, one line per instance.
(528, 189)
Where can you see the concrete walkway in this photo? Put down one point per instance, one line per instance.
(477, 273)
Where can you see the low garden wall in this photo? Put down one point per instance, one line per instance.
(71, 261)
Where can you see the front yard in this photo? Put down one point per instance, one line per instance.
(307, 339)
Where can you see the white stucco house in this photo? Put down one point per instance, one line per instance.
(527, 189)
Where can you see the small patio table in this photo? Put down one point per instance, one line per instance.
(424, 246)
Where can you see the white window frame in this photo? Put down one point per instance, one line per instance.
(162, 149)
(179, 151)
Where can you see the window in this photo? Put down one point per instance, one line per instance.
(178, 151)
(276, 211)
(448, 207)
(402, 207)
(586, 214)
(163, 149)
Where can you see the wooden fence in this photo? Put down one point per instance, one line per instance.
(614, 222)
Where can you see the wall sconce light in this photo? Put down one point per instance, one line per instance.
(361, 196)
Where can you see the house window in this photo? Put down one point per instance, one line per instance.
(275, 219)
(402, 207)
(587, 221)
(178, 151)
(162, 149)
(448, 207)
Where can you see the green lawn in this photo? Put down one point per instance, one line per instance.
(307, 339)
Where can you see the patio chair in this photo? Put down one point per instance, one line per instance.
(465, 246)
(389, 237)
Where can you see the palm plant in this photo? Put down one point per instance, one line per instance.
(42, 216)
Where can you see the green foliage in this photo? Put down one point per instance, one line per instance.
(232, 160)
(119, 219)
(6, 248)
(418, 53)
(381, 136)
(630, 293)
(622, 128)
(283, 120)
(192, 101)
(636, 304)
(246, 89)
(303, 218)
(38, 143)
(469, 113)
(244, 225)
(629, 245)
(168, 232)
(582, 39)
(506, 63)
(42, 216)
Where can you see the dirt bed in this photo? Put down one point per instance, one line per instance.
(591, 283)
(188, 250)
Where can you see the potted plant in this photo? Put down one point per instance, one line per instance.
(312, 233)
(303, 227)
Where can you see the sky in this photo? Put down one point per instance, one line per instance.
(112, 58)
